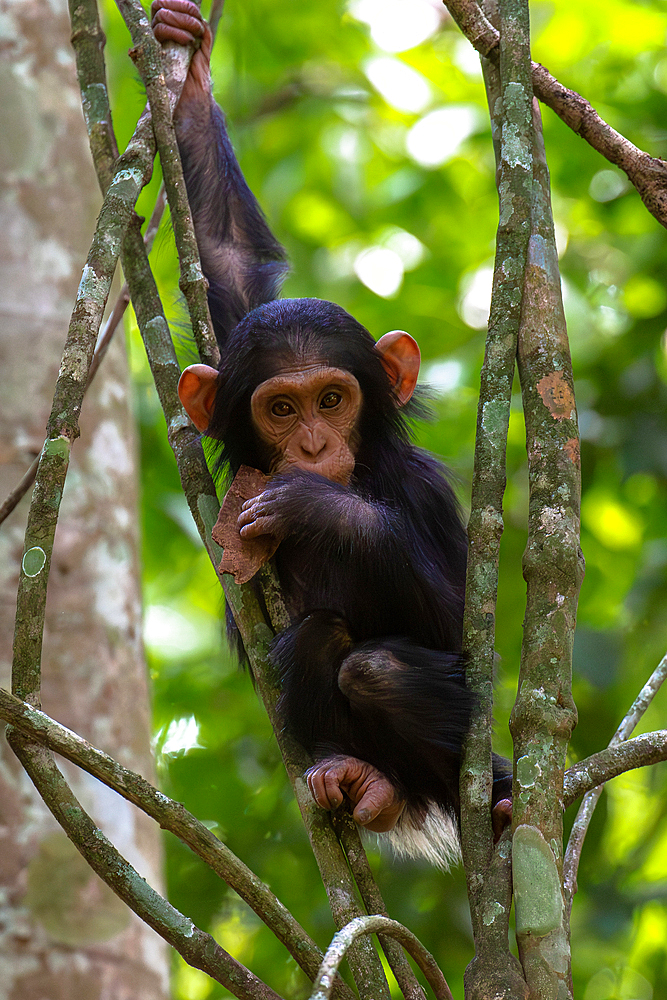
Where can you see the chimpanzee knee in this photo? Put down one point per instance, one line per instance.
(369, 673)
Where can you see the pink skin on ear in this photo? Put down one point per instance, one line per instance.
(197, 387)
(401, 359)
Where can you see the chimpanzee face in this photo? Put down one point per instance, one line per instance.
(306, 418)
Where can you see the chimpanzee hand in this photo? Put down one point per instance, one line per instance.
(262, 515)
(295, 502)
(181, 21)
(377, 806)
(311, 508)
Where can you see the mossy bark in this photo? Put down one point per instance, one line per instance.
(488, 869)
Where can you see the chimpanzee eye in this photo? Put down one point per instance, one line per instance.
(282, 409)
(330, 400)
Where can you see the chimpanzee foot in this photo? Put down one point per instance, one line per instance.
(377, 805)
(501, 816)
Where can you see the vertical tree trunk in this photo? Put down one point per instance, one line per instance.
(66, 934)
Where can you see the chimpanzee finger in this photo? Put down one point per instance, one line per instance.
(167, 33)
(247, 504)
(250, 511)
(379, 808)
(181, 24)
(317, 788)
(501, 816)
(182, 6)
(260, 526)
(269, 495)
(324, 787)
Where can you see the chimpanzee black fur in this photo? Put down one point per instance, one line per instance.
(373, 572)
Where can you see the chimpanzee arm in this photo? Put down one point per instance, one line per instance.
(308, 507)
(242, 260)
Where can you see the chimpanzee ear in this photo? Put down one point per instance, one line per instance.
(196, 390)
(400, 356)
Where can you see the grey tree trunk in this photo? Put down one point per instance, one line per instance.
(63, 933)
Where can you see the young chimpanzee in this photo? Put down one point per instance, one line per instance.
(372, 553)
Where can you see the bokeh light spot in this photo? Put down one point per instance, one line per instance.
(611, 523)
(400, 85)
(381, 270)
(397, 25)
(438, 136)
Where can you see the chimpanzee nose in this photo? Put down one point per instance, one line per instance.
(312, 441)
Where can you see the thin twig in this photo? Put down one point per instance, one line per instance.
(113, 320)
(641, 702)
(587, 807)
(215, 14)
(378, 925)
(19, 491)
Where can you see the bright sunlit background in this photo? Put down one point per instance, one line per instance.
(364, 132)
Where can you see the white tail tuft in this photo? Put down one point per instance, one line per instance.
(435, 837)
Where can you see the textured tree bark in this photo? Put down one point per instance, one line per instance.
(494, 971)
(544, 713)
(66, 934)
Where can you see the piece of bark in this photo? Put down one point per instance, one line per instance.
(242, 557)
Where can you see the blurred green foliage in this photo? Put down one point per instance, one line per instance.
(364, 133)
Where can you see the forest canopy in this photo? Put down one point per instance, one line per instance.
(364, 132)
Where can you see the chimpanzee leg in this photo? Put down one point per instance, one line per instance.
(420, 696)
(417, 709)
(309, 655)
(386, 720)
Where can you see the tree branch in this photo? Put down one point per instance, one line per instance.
(509, 97)
(544, 713)
(347, 832)
(585, 775)
(256, 634)
(132, 171)
(376, 925)
(587, 807)
(647, 173)
(88, 41)
(336, 875)
(172, 816)
(197, 948)
(150, 57)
